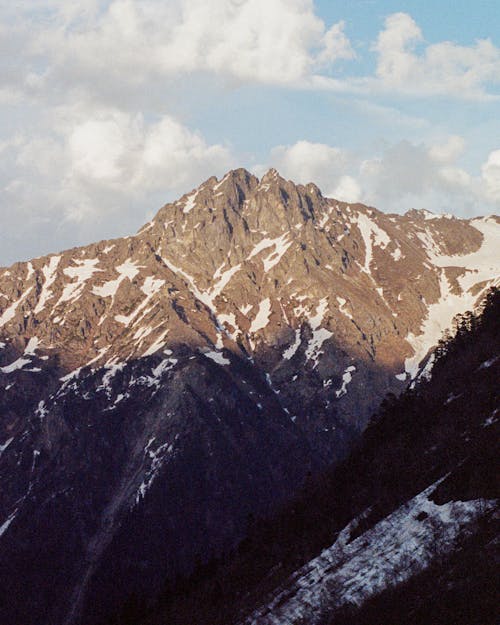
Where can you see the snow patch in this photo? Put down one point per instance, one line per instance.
(32, 346)
(280, 244)
(229, 320)
(190, 202)
(397, 254)
(484, 264)
(346, 379)
(49, 273)
(222, 280)
(129, 269)
(206, 297)
(439, 318)
(372, 235)
(41, 412)
(142, 333)
(5, 525)
(165, 365)
(262, 318)
(150, 288)
(292, 349)
(342, 307)
(10, 312)
(157, 345)
(4, 446)
(217, 357)
(70, 376)
(319, 335)
(17, 364)
(488, 363)
(352, 571)
(82, 272)
(221, 182)
(157, 458)
(22, 361)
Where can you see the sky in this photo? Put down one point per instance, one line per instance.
(110, 109)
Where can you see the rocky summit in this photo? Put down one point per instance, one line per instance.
(160, 390)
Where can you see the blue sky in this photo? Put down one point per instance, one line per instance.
(111, 108)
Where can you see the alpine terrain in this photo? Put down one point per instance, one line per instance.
(405, 530)
(162, 391)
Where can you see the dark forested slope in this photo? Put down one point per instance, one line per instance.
(444, 429)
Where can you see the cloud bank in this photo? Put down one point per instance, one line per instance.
(402, 176)
(95, 131)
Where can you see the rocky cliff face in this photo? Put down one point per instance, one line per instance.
(168, 385)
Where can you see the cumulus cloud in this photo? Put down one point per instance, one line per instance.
(490, 172)
(266, 41)
(449, 150)
(97, 101)
(347, 190)
(102, 169)
(120, 151)
(402, 176)
(335, 46)
(306, 161)
(407, 175)
(440, 68)
(120, 46)
(322, 164)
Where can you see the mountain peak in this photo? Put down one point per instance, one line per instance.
(235, 242)
(271, 174)
(249, 324)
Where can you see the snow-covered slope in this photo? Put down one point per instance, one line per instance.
(351, 572)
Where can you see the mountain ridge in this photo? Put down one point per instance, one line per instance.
(244, 336)
(410, 516)
(43, 275)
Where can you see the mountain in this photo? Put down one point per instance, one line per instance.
(160, 391)
(405, 530)
(422, 544)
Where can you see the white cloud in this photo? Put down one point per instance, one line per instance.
(347, 190)
(117, 48)
(99, 148)
(406, 175)
(449, 150)
(97, 97)
(322, 164)
(402, 169)
(402, 176)
(305, 162)
(266, 41)
(440, 68)
(103, 168)
(120, 151)
(101, 160)
(335, 46)
(455, 178)
(491, 177)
